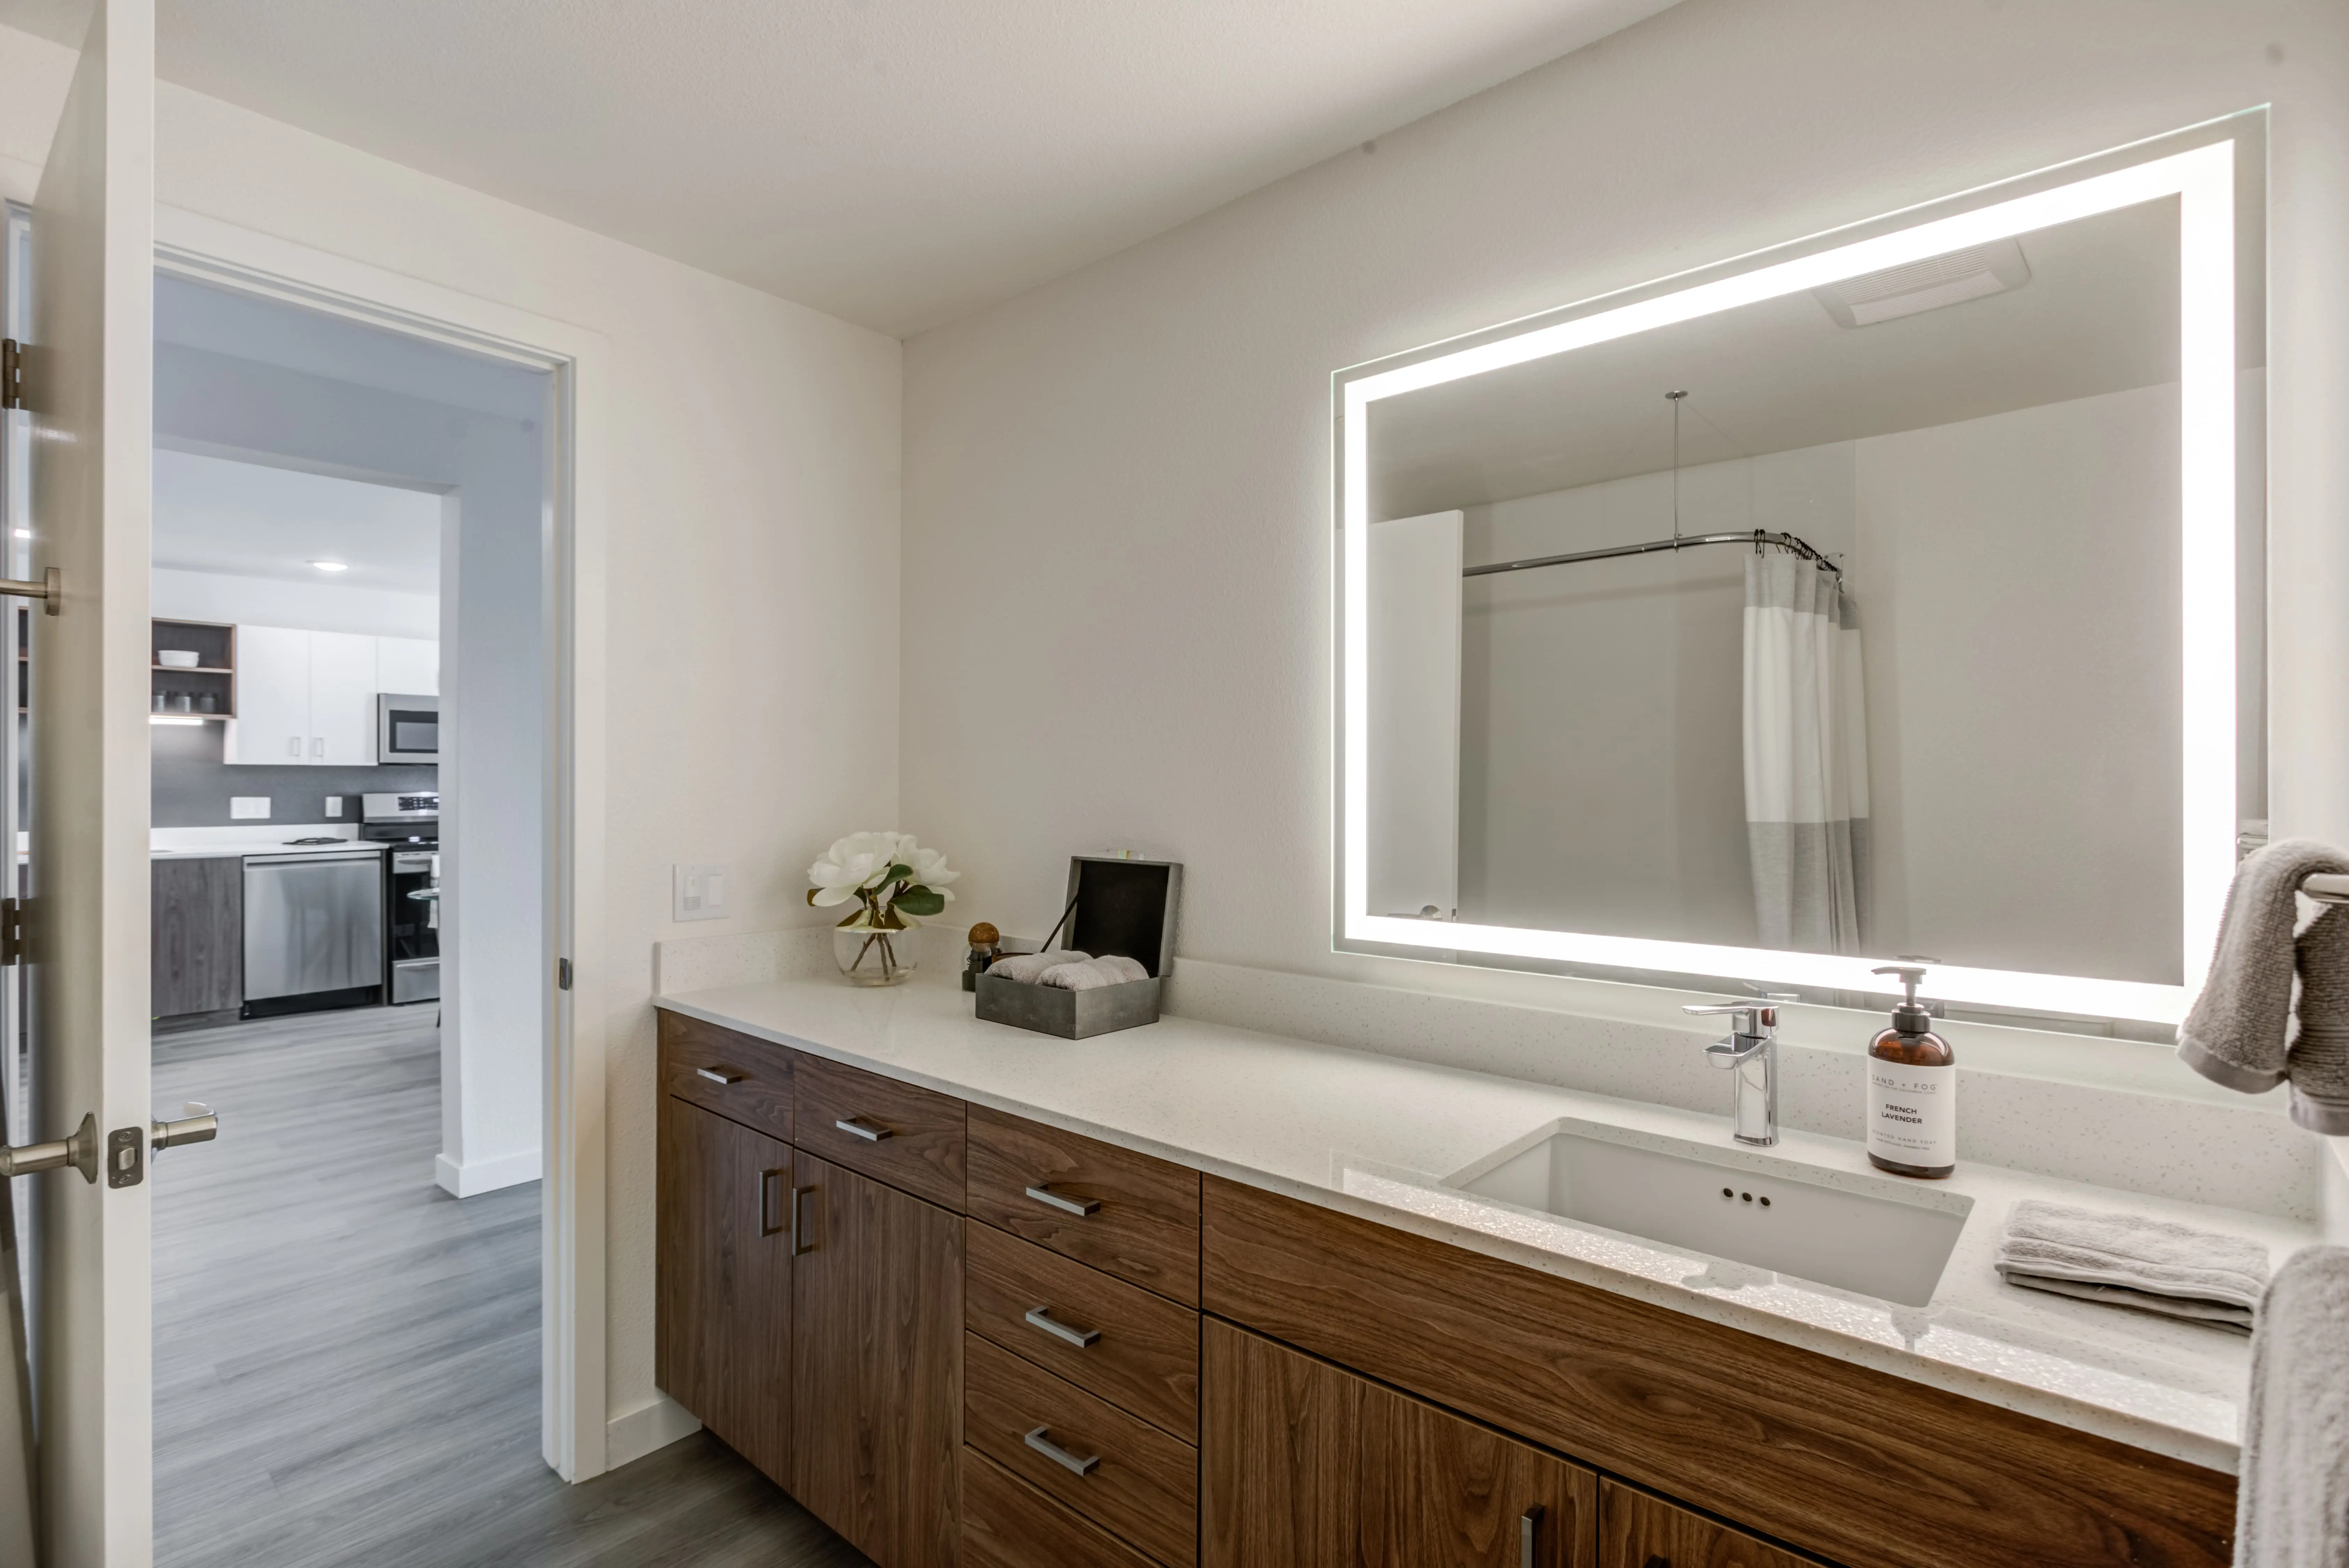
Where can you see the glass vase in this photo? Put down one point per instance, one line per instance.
(877, 948)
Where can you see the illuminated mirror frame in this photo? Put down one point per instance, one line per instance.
(2201, 167)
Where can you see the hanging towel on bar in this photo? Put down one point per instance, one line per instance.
(2240, 1031)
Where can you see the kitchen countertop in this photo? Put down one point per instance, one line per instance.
(260, 845)
(1376, 1136)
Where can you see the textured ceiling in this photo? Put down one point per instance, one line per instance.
(898, 163)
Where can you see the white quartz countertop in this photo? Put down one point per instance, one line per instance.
(1375, 1136)
(258, 844)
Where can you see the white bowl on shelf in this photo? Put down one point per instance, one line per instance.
(178, 658)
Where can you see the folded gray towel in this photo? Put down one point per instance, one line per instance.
(1112, 969)
(1029, 968)
(2291, 1509)
(2128, 1261)
(2237, 1031)
(2317, 1063)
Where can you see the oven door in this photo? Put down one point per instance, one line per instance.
(408, 728)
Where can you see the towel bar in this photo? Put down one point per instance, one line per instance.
(2326, 886)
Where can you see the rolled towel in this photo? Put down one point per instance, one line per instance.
(1029, 968)
(2126, 1260)
(2317, 1063)
(2236, 1032)
(2292, 1510)
(1112, 969)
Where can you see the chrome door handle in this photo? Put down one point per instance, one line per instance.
(196, 1125)
(800, 1242)
(767, 1226)
(721, 1075)
(1072, 1463)
(1528, 1532)
(1041, 1317)
(857, 1127)
(1082, 1208)
(80, 1152)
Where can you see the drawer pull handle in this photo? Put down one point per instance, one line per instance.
(721, 1075)
(1082, 1339)
(800, 1241)
(1082, 1208)
(1528, 1532)
(857, 1127)
(1072, 1463)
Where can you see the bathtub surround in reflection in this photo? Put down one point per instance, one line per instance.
(1806, 757)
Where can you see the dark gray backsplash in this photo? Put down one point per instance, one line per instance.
(191, 785)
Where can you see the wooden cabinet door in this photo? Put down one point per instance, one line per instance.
(1636, 1530)
(1279, 1455)
(197, 927)
(1440, 1492)
(273, 697)
(723, 1325)
(876, 1367)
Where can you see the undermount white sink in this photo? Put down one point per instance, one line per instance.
(1855, 1233)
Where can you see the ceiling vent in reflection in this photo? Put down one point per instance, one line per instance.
(1926, 285)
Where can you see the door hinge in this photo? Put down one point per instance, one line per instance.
(563, 974)
(12, 916)
(12, 373)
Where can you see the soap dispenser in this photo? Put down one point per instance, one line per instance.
(1912, 1090)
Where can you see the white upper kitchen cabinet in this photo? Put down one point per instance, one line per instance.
(342, 700)
(306, 698)
(409, 666)
(273, 697)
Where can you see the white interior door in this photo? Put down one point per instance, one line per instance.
(90, 375)
(342, 700)
(273, 697)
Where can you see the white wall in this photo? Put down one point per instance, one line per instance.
(752, 700)
(308, 607)
(1118, 485)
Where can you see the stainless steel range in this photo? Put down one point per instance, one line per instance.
(410, 827)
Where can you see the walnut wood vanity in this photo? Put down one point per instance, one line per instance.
(959, 1336)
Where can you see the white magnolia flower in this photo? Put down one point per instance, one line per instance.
(929, 867)
(853, 864)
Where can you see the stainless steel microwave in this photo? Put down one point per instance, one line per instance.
(406, 728)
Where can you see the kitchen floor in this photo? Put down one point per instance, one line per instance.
(346, 1358)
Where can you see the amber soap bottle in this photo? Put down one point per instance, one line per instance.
(1912, 1090)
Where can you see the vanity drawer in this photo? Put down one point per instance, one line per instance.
(743, 1079)
(1140, 1351)
(1007, 1523)
(910, 1137)
(1124, 1213)
(1139, 1484)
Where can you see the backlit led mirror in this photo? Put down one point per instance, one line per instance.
(1897, 596)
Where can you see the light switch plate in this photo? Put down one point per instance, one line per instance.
(698, 890)
(241, 806)
(334, 805)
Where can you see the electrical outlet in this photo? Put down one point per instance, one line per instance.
(334, 805)
(242, 806)
(698, 890)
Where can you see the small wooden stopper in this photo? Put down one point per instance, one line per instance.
(983, 935)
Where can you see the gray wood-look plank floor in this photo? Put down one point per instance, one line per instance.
(346, 1359)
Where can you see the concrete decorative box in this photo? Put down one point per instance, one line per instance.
(1122, 907)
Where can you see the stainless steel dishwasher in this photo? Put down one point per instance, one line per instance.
(313, 931)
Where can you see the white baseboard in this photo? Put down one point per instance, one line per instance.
(654, 1423)
(484, 1174)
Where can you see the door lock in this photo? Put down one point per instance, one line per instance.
(126, 1147)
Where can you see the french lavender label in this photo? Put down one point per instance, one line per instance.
(1912, 1114)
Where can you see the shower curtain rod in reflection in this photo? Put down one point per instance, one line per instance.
(1756, 537)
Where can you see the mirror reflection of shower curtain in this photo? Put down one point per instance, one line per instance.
(1806, 757)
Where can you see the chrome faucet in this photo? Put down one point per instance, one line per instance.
(1751, 1051)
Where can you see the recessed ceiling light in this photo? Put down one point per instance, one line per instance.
(24, 533)
(332, 565)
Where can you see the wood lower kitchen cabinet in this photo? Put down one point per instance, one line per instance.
(1308, 1466)
(876, 1365)
(723, 1339)
(197, 932)
(1636, 1530)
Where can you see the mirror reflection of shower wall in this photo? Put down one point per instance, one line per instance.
(1986, 445)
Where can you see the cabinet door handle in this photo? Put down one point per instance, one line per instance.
(857, 1127)
(721, 1075)
(767, 1223)
(293, 746)
(800, 1243)
(1072, 1463)
(1082, 1208)
(1658, 1560)
(1528, 1533)
(317, 746)
(1082, 1339)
